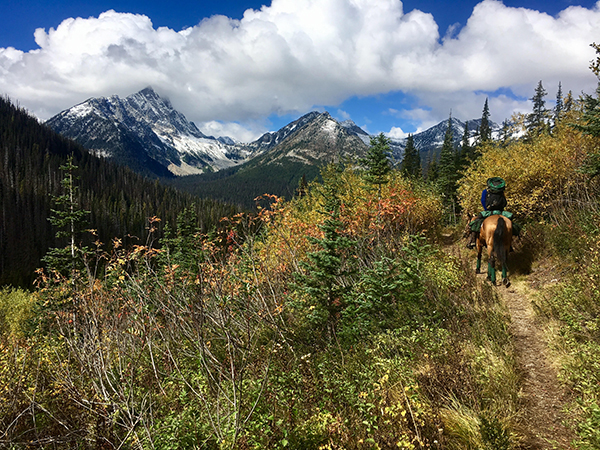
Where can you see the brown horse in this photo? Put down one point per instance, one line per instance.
(496, 235)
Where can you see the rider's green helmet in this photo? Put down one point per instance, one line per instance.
(495, 185)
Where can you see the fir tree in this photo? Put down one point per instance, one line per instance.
(447, 167)
(505, 133)
(559, 107)
(378, 166)
(433, 171)
(183, 246)
(591, 114)
(302, 188)
(485, 132)
(328, 266)
(411, 164)
(69, 220)
(568, 103)
(377, 162)
(536, 123)
(595, 65)
(591, 126)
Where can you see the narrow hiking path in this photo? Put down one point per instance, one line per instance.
(542, 397)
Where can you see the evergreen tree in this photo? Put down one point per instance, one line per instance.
(378, 166)
(591, 114)
(331, 264)
(433, 171)
(447, 167)
(485, 132)
(595, 65)
(591, 118)
(568, 103)
(411, 164)
(591, 126)
(559, 107)
(183, 246)
(536, 123)
(302, 188)
(377, 162)
(69, 220)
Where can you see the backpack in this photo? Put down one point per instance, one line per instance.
(495, 201)
(495, 185)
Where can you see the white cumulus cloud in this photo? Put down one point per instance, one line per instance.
(294, 54)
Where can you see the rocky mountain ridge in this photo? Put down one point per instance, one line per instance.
(145, 132)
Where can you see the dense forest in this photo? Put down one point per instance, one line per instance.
(348, 317)
(242, 185)
(119, 202)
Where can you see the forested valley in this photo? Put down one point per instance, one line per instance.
(347, 317)
(119, 202)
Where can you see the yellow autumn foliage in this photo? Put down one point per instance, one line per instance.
(540, 174)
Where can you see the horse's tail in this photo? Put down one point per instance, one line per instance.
(499, 234)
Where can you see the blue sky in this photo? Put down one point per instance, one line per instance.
(390, 66)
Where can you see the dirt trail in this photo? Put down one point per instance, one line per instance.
(543, 399)
(542, 396)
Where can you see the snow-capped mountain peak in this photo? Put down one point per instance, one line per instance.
(142, 127)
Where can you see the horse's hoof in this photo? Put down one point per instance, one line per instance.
(506, 282)
(477, 271)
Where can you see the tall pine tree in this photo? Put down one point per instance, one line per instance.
(559, 107)
(377, 162)
(447, 167)
(591, 118)
(485, 132)
(505, 133)
(536, 122)
(568, 102)
(69, 220)
(411, 164)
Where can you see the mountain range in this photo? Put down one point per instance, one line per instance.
(144, 132)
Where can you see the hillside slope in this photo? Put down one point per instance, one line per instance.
(120, 201)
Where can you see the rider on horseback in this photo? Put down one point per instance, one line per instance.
(492, 200)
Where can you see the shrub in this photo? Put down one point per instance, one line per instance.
(541, 175)
(16, 308)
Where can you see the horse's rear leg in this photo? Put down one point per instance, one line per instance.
(491, 274)
(505, 280)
